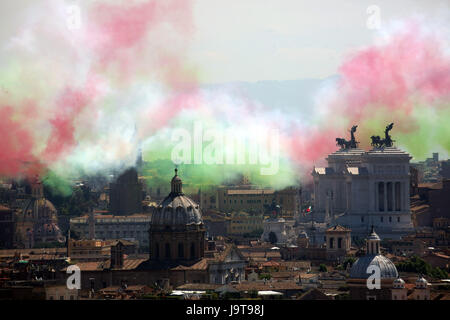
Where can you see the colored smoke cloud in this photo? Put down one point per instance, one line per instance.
(83, 100)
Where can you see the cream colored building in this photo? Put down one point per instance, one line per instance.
(242, 223)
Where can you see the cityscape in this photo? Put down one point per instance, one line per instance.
(135, 164)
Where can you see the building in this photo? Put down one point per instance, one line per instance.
(250, 199)
(399, 290)
(125, 195)
(96, 250)
(338, 242)
(37, 220)
(242, 223)
(177, 232)
(60, 292)
(366, 265)
(6, 227)
(277, 230)
(359, 189)
(132, 228)
(216, 223)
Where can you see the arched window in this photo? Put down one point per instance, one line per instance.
(168, 251)
(180, 250)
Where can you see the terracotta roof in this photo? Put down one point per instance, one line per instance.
(201, 265)
(270, 264)
(314, 294)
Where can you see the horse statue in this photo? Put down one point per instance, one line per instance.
(376, 141)
(344, 144)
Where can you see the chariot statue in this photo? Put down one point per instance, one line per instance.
(377, 142)
(347, 144)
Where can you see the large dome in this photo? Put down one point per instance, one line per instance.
(387, 267)
(177, 209)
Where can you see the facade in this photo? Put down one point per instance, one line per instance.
(359, 189)
(276, 229)
(249, 199)
(177, 232)
(133, 228)
(242, 223)
(125, 195)
(338, 240)
(96, 250)
(60, 292)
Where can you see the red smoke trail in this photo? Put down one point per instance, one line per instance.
(118, 34)
(412, 65)
(381, 83)
(16, 151)
(70, 104)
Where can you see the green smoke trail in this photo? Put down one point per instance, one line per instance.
(58, 185)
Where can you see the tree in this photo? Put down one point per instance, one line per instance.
(417, 265)
(323, 268)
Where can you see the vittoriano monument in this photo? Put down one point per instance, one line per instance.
(377, 142)
(344, 144)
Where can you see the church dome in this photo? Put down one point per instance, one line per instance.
(373, 258)
(387, 267)
(177, 209)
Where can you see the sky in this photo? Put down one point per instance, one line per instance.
(256, 40)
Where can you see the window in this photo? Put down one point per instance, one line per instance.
(390, 219)
(168, 250)
(180, 250)
(398, 219)
(192, 250)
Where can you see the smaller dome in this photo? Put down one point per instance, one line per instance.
(421, 282)
(399, 283)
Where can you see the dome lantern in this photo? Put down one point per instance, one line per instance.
(373, 243)
(176, 184)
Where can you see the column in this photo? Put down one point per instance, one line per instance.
(376, 197)
(385, 196)
(394, 202)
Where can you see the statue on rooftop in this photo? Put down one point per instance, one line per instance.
(377, 142)
(352, 143)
